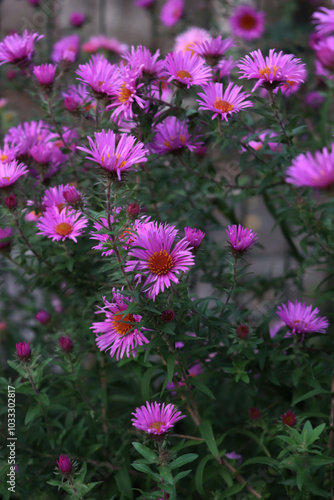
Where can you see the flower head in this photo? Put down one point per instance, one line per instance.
(18, 49)
(288, 418)
(66, 49)
(10, 172)
(246, 22)
(66, 344)
(315, 171)
(194, 237)
(152, 256)
(65, 465)
(77, 19)
(240, 238)
(26, 135)
(99, 75)
(324, 21)
(172, 136)
(77, 97)
(11, 201)
(60, 226)
(273, 70)
(5, 237)
(43, 317)
(187, 40)
(254, 413)
(171, 12)
(118, 331)
(213, 49)
(168, 315)
(301, 319)
(111, 45)
(187, 69)
(54, 197)
(225, 67)
(324, 51)
(242, 331)
(145, 63)
(223, 103)
(156, 418)
(112, 156)
(125, 93)
(72, 196)
(23, 351)
(45, 74)
(133, 210)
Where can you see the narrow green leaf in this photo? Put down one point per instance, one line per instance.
(207, 434)
(199, 475)
(145, 452)
(170, 366)
(34, 411)
(184, 459)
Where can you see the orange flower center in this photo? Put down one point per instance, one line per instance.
(123, 324)
(183, 74)
(124, 94)
(223, 106)
(6, 178)
(63, 228)
(160, 262)
(247, 22)
(3, 157)
(120, 165)
(60, 206)
(156, 425)
(189, 46)
(289, 420)
(267, 70)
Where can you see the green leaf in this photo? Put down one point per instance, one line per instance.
(202, 387)
(299, 398)
(199, 475)
(207, 434)
(166, 475)
(145, 452)
(146, 470)
(170, 366)
(232, 491)
(34, 411)
(184, 459)
(271, 462)
(124, 482)
(181, 475)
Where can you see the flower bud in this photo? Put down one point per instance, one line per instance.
(43, 317)
(242, 331)
(254, 413)
(11, 201)
(167, 315)
(23, 351)
(65, 465)
(288, 418)
(66, 344)
(194, 237)
(133, 210)
(77, 19)
(72, 196)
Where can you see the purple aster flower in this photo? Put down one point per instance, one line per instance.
(144, 3)
(66, 49)
(233, 455)
(54, 197)
(119, 332)
(187, 69)
(45, 74)
(42, 153)
(112, 156)
(225, 67)
(324, 21)
(275, 327)
(289, 418)
(98, 74)
(43, 317)
(313, 99)
(5, 237)
(223, 103)
(152, 256)
(18, 49)
(8, 153)
(324, 51)
(63, 225)
(212, 50)
(77, 19)
(301, 319)
(23, 351)
(26, 135)
(273, 70)
(65, 465)
(10, 172)
(315, 171)
(194, 237)
(247, 23)
(66, 344)
(77, 97)
(263, 139)
(156, 418)
(146, 64)
(187, 40)
(125, 93)
(111, 45)
(171, 12)
(240, 238)
(172, 136)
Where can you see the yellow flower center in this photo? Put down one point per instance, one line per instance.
(124, 93)
(183, 138)
(63, 229)
(60, 206)
(160, 262)
(189, 46)
(3, 157)
(183, 74)
(223, 106)
(156, 425)
(6, 178)
(123, 324)
(267, 71)
(247, 22)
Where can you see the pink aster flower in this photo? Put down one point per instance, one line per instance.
(194, 237)
(156, 418)
(301, 319)
(66, 344)
(119, 332)
(18, 49)
(289, 418)
(42, 153)
(247, 23)
(23, 351)
(66, 49)
(152, 256)
(26, 135)
(223, 103)
(240, 238)
(8, 153)
(171, 12)
(125, 93)
(324, 21)
(187, 69)
(63, 225)
(315, 171)
(225, 67)
(187, 40)
(5, 237)
(146, 64)
(324, 52)
(10, 172)
(111, 45)
(77, 19)
(172, 136)
(76, 97)
(112, 156)
(45, 74)
(212, 50)
(99, 75)
(273, 70)
(54, 197)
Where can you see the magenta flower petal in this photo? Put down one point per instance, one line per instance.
(309, 170)
(156, 418)
(187, 69)
(18, 49)
(63, 225)
(301, 319)
(223, 103)
(240, 238)
(10, 172)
